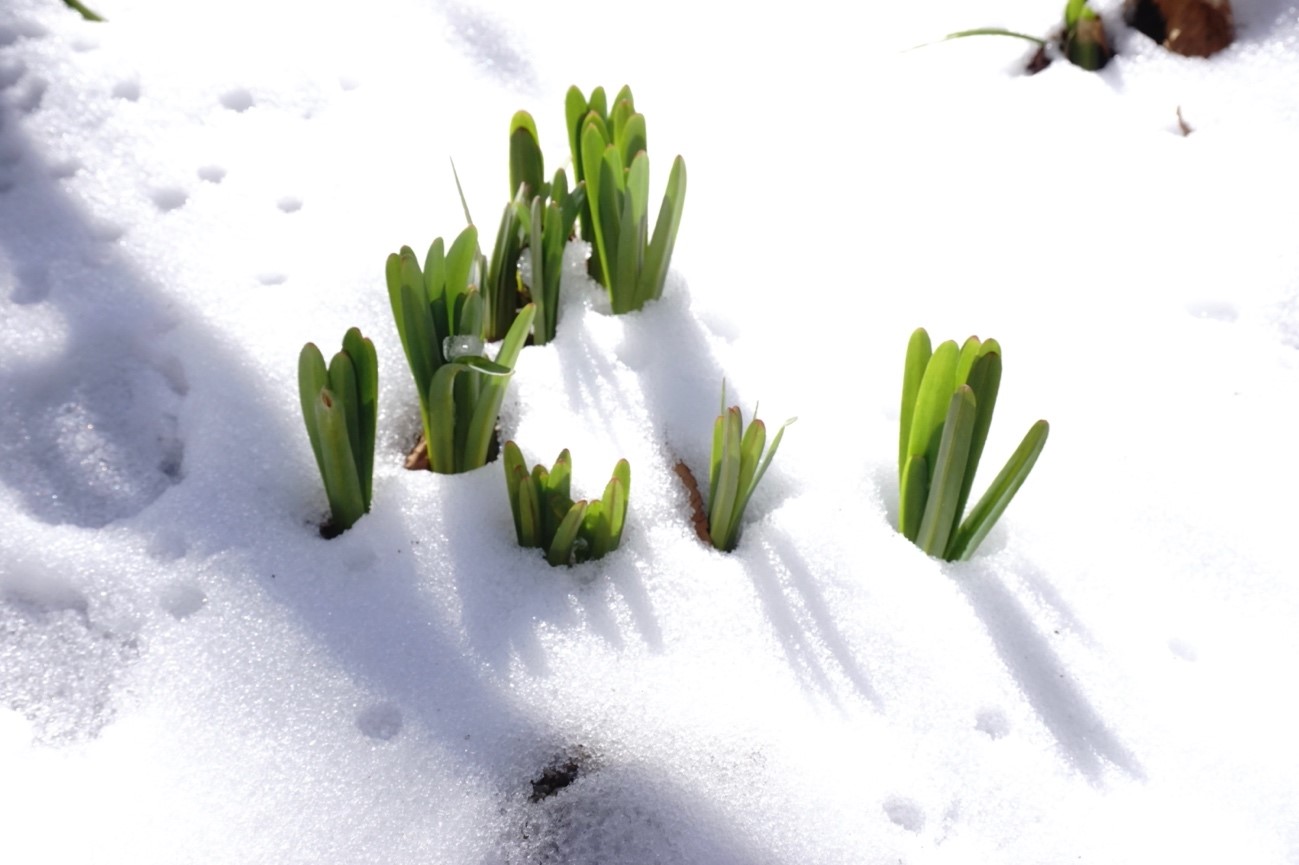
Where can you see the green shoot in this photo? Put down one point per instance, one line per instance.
(736, 467)
(948, 397)
(340, 408)
(546, 516)
(440, 319)
(1082, 39)
(609, 155)
(539, 219)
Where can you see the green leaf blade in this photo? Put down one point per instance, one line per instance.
(940, 516)
(984, 515)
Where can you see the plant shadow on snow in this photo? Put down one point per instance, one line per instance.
(790, 591)
(666, 346)
(89, 433)
(1081, 733)
(508, 594)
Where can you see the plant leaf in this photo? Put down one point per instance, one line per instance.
(342, 384)
(312, 378)
(441, 433)
(914, 489)
(989, 509)
(342, 486)
(365, 361)
(659, 256)
(745, 495)
(632, 141)
(918, 354)
(488, 405)
(512, 462)
(617, 495)
(561, 547)
(529, 525)
(985, 380)
(460, 263)
(722, 517)
(940, 516)
(526, 164)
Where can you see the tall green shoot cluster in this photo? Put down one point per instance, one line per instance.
(340, 408)
(948, 396)
(610, 158)
(439, 314)
(735, 468)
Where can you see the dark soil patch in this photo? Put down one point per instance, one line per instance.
(1192, 28)
(566, 769)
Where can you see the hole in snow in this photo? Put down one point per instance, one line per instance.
(128, 90)
(993, 722)
(1183, 649)
(380, 722)
(271, 278)
(238, 99)
(289, 204)
(905, 813)
(1218, 310)
(182, 600)
(212, 173)
(169, 198)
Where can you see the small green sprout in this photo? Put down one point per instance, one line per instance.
(439, 315)
(546, 516)
(948, 396)
(736, 467)
(1082, 39)
(609, 152)
(340, 407)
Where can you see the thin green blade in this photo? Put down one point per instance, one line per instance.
(659, 256)
(989, 509)
(365, 361)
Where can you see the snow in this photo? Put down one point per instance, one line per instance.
(190, 673)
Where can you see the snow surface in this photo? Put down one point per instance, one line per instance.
(189, 673)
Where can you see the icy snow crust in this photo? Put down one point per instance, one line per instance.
(189, 673)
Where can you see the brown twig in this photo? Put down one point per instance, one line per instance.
(697, 514)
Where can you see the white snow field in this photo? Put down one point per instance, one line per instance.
(189, 673)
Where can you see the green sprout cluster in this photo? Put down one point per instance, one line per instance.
(948, 396)
(736, 467)
(546, 516)
(445, 323)
(439, 314)
(538, 221)
(609, 155)
(340, 409)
